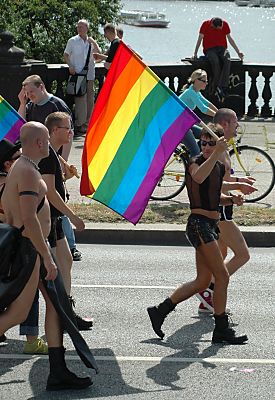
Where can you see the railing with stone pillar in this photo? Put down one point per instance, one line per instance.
(251, 94)
(251, 86)
(261, 103)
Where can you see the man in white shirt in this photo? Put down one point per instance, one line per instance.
(75, 56)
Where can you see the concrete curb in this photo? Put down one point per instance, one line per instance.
(161, 235)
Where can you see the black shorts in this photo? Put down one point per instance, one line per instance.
(56, 232)
(226, 213)
(201, 229)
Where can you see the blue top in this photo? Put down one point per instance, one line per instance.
(194, 99)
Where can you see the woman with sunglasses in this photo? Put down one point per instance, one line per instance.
(192, 97)
(204, 179)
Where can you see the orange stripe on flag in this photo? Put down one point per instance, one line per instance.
(118, 94)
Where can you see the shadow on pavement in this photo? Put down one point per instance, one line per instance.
(187, 340)
(8, 347)
(109, 381)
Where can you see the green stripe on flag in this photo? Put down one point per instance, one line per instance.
(131, 143)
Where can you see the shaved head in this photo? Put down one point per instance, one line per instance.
(223, 114)
(34, 138)
(32, 131)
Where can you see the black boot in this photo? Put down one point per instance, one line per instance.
(60, 378)
(223, 334)
(83, 324)
(158, 314)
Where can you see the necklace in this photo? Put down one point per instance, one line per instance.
(30, 161)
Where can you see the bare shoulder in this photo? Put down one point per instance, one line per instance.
(24, 177)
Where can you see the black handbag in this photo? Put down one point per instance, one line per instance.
(77, 83)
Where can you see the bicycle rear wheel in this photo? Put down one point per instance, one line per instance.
(172, 181)
(259, 165)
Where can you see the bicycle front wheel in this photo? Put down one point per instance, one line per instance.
(259, 165)
(172, 180)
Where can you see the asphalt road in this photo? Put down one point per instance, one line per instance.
(115, 284)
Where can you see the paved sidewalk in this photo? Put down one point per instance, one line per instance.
(253, 136)
(161, 234)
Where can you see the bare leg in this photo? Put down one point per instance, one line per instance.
(52, 323)
(209, 261)
(64, 262)
(202, 280)
(18, 311)
(212, 254)
(232, 237)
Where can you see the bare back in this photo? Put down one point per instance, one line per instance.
(23, 177)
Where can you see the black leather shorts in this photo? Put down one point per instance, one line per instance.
(56, 232)
(201, 229)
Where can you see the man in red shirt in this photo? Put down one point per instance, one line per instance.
(214, 34)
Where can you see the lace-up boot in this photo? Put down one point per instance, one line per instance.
(60, 378)
(223, 334)
(83, 324)
(158, 314)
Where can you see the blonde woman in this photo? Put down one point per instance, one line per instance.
(192, 97)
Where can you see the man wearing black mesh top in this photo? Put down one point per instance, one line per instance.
(204, 182)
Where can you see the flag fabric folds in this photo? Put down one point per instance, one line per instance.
(10, 121)
(136, 124)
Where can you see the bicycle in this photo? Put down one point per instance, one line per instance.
(251, 161)
(172, 180)
(246, 161)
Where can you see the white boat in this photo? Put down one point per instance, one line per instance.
(256, 3)
(144, 18)
(242, 3)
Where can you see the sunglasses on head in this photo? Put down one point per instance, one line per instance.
(210, 143)
(203, 80)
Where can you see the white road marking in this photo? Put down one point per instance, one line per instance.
(124, 286)
(151, 359)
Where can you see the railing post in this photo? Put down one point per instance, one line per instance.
(253, 94)
(267, 95)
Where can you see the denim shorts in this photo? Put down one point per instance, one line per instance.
(201, 229)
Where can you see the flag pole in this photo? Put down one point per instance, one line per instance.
(209, 130)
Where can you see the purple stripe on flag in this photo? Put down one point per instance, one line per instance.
(14, 132)
(169, 141)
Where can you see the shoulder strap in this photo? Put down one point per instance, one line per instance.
(2, 189)
(88, 57)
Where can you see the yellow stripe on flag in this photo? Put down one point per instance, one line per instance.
(119, 127)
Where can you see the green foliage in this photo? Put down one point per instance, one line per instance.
(42, 27)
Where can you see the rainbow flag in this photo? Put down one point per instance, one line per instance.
(136, 124)
(10, 121)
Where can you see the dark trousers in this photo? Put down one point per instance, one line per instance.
(219, 59)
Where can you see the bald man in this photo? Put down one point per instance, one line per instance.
(26, 207)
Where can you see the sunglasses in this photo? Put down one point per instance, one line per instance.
(202, 80)
(210, 143)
